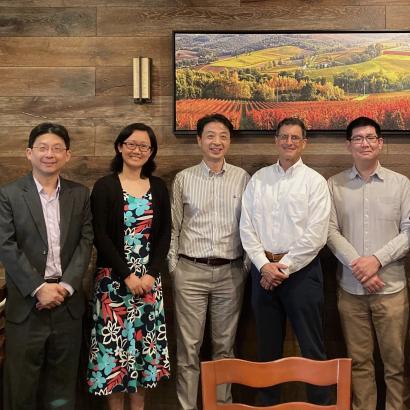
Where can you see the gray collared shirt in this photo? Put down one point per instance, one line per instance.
(206, 208)
(370, 218)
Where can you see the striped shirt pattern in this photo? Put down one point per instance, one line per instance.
(206, 209)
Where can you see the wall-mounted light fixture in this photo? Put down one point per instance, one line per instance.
(142, 79)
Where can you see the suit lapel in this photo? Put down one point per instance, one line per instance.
(33, 202)
(66, 208)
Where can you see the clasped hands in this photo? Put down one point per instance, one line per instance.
(50, 295)
(139, 286)
(365, 270)
(272, 276)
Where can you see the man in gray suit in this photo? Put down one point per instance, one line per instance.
(45, 245)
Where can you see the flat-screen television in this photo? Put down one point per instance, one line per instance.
(326, 78)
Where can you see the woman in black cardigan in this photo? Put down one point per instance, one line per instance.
(132, 219)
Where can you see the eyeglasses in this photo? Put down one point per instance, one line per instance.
(132, 146)
(359, 139)
(55, 149)
(294, 138)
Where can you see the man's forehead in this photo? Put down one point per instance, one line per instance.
(294, 127)
(364, 129)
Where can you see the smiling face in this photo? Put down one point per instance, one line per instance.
(364, 151)
(48, 155)
(135, 150)
(290, 144)
(214, 142)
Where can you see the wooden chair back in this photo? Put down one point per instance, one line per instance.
(253, 374)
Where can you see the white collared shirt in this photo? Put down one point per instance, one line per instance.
(206, 208)
(285, 212)
(370, 218)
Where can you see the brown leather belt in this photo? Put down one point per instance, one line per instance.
(52, 280)
(209, 261)
(274, 257)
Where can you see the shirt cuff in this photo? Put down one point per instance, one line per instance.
(383, 258)
(172, 264)
(67, 287)
(287, 271)
(260, 260)
(36, 290)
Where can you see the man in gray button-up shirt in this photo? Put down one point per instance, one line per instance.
(368, 233)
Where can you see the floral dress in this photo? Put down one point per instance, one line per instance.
(128, 340)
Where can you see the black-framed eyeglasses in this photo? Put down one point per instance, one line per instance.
(359, 139)
(55, 149)
(133, 146)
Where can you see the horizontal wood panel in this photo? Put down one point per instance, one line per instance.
(117, 3)
(83, 51)
(397, 17)
(47, 21)
(82, 111)
(13, 141)
(325, 3)
(119, 81)
(120, 21)
(47, 81)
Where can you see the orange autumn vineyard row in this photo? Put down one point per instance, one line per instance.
(393, 113)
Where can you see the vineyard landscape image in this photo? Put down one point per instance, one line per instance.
(325, 78)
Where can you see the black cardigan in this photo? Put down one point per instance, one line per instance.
(107, 206)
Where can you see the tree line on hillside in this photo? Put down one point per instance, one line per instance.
(251, 84)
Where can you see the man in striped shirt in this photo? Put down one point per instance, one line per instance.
(206, 255)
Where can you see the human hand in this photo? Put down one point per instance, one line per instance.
(147, 282)
(271, 275)
(364, 267)
(50, 296)
(133, 283)
(374, 284)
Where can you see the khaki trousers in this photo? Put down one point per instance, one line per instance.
(197, 288)
(370, 319)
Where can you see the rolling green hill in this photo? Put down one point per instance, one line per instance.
(390, 64)
(257, 58)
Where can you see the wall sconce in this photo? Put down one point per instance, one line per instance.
(142, 79)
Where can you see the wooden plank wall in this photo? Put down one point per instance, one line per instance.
(70, 62)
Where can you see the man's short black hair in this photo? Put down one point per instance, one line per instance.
(49, 128)
(362, 122)
(200, 125)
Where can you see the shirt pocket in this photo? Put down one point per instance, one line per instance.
(388, 208)
(296, 206)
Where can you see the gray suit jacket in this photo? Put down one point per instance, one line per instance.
(23, 243)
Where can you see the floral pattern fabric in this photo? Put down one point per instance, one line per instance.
(128, 341)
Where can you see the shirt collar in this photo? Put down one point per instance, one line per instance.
(291, 169)
(378, 172)
(40, 188)
(208, 171)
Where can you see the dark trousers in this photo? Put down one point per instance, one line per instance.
(300, 299)
(42, 355)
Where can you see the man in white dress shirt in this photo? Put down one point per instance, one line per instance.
(368, 233)
(284, 221)
(206, 255)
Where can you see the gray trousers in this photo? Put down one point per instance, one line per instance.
(197, 288)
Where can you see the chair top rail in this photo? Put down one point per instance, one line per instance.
(261, 374)
(283, 406)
